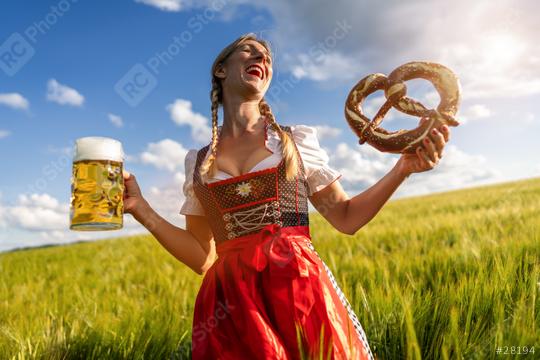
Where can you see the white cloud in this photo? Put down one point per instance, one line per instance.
(529, 118)
(62, 94)
(14, 100)
(53, 235)
(166, 154)
(42, 219)
(131, 158)
(535, 172)
(474, 112)
(4, 133)
(362, 166)
(327, 66)
(115, 120)
(324, 131)
(457, 169)
(165, 5)
(182, 114)
(38, 212)
(2, 214)
(39, 200)
(167, 199)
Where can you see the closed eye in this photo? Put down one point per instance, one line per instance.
(247, 48)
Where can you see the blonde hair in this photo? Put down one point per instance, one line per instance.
(288, 151)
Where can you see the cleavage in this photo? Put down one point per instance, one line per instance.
(268, 152)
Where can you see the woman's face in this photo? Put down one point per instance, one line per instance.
(248, 70)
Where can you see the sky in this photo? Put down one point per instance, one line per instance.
(139, 71)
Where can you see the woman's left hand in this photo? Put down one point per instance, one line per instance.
(427, 155)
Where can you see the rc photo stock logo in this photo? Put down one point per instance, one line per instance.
(15, 52)
(135, 85)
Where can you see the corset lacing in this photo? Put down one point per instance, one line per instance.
(252, 219)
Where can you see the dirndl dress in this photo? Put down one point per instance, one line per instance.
(268, 295)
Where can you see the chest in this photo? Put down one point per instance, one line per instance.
(236, 159)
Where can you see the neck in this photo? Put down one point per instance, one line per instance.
(240, 116)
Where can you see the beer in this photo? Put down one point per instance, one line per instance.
(97, 185)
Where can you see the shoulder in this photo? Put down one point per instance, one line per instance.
(307, 142)
(305, 136)
(302, 130)
(190, 159)
(191, 155)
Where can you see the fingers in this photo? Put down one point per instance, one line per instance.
(439, 140)
(126, 174)
(445, 130)
(430, 149)
(426, 162)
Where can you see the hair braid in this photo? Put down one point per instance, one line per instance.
(288, 150)
(209, 167)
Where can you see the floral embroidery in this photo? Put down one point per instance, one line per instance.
(243, 189)
(252, 187)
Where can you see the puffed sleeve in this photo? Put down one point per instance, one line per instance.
(191, 205)
(318, 173)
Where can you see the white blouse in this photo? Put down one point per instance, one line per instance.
(315, 159)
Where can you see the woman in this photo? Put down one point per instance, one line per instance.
(268, 295)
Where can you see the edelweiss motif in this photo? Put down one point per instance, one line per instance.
(243, 189)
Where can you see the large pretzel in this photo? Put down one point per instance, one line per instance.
(403, 141)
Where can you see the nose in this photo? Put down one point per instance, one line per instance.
(260, 55)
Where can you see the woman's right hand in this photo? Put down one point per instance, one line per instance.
(133, 199)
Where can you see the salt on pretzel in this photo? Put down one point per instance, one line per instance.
(403, 141)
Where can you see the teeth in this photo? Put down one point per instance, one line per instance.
(258, 69)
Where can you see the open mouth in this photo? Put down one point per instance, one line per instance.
(256, 70)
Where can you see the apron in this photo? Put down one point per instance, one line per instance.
(268, 295)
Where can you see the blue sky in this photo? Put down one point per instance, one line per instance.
(71, 59)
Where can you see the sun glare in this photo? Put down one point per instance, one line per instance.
(501, 51)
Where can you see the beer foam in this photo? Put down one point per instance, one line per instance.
(98, 148)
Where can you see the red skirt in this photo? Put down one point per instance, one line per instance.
(268, 296)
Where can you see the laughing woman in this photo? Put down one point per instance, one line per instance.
(266, 293)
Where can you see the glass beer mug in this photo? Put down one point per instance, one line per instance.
(97, 185)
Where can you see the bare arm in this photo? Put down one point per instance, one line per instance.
(193, 246)
(348, 215)
(182, 244)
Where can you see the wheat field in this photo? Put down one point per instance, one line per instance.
(453, 275)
